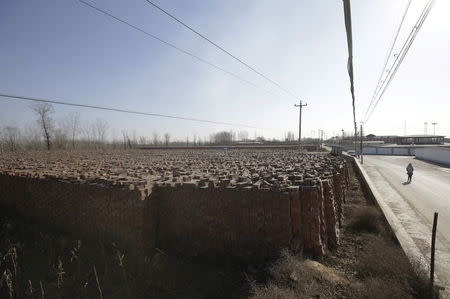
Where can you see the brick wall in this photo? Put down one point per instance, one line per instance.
(223, 221)
(190, 220)
(99, 212)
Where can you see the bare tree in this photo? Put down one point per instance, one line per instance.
(290, 136)
(142, 140)
(72, 124)
(167, 139)
(31, 138)
(155, 138)
(222, 137)
(126, 140)
(11, 137)
(60, 140)
(44, 112)
(242, 135)
(100, 130)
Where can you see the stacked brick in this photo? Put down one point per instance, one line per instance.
(224, 221)
(96, 211)
(241, 203)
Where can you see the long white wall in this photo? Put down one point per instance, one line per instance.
(391, 151)
(434, 154)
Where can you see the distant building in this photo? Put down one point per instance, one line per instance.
(421, 139)
(408, 140)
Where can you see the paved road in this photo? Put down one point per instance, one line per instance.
(414, 204)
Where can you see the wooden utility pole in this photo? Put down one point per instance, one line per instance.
(361, 152)
(300, 122)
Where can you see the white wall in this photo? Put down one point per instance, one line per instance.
(391, 151)
(434, 154)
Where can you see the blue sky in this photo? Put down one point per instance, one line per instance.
(65, 50)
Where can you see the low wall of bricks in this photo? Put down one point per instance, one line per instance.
(250, 223)
(189, 219)
(87, 210)
(216, 222)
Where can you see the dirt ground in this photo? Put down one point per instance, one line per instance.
(39, 262)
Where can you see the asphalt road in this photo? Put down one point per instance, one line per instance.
(414, 204)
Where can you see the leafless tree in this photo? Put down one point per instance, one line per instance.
(100, 128)
(72, 124)
(223, 137)
(60, 140)
(155, 138)
(142, 140)
(167, 139)
(290, 136)
(31, 138)
(44, 112)
(11, 138)
(242, 135)
(126, 140)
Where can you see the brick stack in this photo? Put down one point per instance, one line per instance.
(223, 221)
(242, 203)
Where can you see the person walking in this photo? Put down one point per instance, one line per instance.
(409, 171)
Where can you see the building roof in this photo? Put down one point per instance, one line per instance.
(422, 136)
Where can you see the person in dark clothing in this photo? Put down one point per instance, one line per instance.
(409, 171)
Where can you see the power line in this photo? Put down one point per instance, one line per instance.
(58, 102)
(389, 53)
(222, 49)
(403, 52)
(175, 47)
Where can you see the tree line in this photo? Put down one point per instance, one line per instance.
(71, 133)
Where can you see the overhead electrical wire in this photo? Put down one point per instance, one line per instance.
(401, 55)
(222, 49)
(388, 56)
(59, 102)
(176, 47)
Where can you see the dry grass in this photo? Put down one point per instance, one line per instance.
(383, 263)
(36, 262)
(382, 259)
(376, 288)
(293, 277)
(365, 219)
(272, 291)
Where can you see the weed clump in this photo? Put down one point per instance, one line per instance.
(294, 277)
(365, 219)
(383, 263)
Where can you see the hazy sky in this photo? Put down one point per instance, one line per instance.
(64, 50)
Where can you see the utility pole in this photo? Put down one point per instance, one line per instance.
(404, 129)
(425, 128)
(342, 143)
(300, 121)
(434, 128)
(361, 153)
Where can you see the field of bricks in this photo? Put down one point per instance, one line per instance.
(244, 203)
